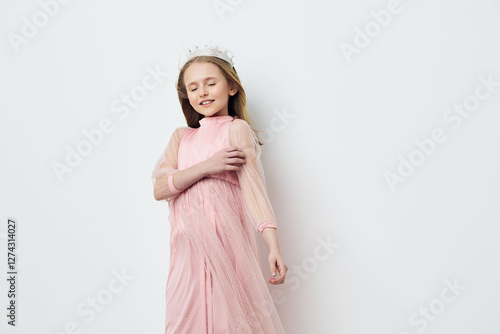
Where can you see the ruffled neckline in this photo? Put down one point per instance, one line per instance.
(215, 120)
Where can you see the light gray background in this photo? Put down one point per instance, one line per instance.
(350, 122)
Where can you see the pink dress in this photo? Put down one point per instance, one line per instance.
(215, 283)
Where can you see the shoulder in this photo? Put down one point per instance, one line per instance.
(241, 133)
(240, 126)
(177, 135)
(179, 131)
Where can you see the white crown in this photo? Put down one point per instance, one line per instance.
(214, 51)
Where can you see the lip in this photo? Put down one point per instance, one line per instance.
(205, 105)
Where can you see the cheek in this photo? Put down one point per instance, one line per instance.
(221, 92)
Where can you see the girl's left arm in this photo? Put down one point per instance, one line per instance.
(251, 177)
(253, 187)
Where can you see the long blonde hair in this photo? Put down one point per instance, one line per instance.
(237, 104)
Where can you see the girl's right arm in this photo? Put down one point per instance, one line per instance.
(180, 181)
(221, 161)
(169, 181)
(166, 167)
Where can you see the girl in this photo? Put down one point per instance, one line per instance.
(211, 175)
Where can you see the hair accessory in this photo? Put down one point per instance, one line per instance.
(214, 51)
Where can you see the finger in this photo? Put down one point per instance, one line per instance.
(231, 148)
(281, 268)
(274, 280)
(237, 161)
(273, 268)
(236, 153)
(277, 280)
(234, 150)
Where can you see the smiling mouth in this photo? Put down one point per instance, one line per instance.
(206, 103)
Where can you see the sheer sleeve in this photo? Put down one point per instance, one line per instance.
(251, 176)
(166, 167)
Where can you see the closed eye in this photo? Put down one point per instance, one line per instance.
(212, 84)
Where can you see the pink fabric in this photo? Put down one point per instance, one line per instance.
(262, 226)
(215, 283)
(171, 185)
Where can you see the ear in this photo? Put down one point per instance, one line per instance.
(233, 90)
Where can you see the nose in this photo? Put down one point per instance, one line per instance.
(202, 91)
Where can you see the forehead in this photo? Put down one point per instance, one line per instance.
(198, 71)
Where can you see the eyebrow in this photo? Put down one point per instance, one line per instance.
(207, 78)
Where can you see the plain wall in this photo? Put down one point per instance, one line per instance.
(381, 158)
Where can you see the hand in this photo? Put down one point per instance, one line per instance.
(277, 264)
(228, 158)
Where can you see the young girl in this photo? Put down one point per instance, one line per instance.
(211, 175)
